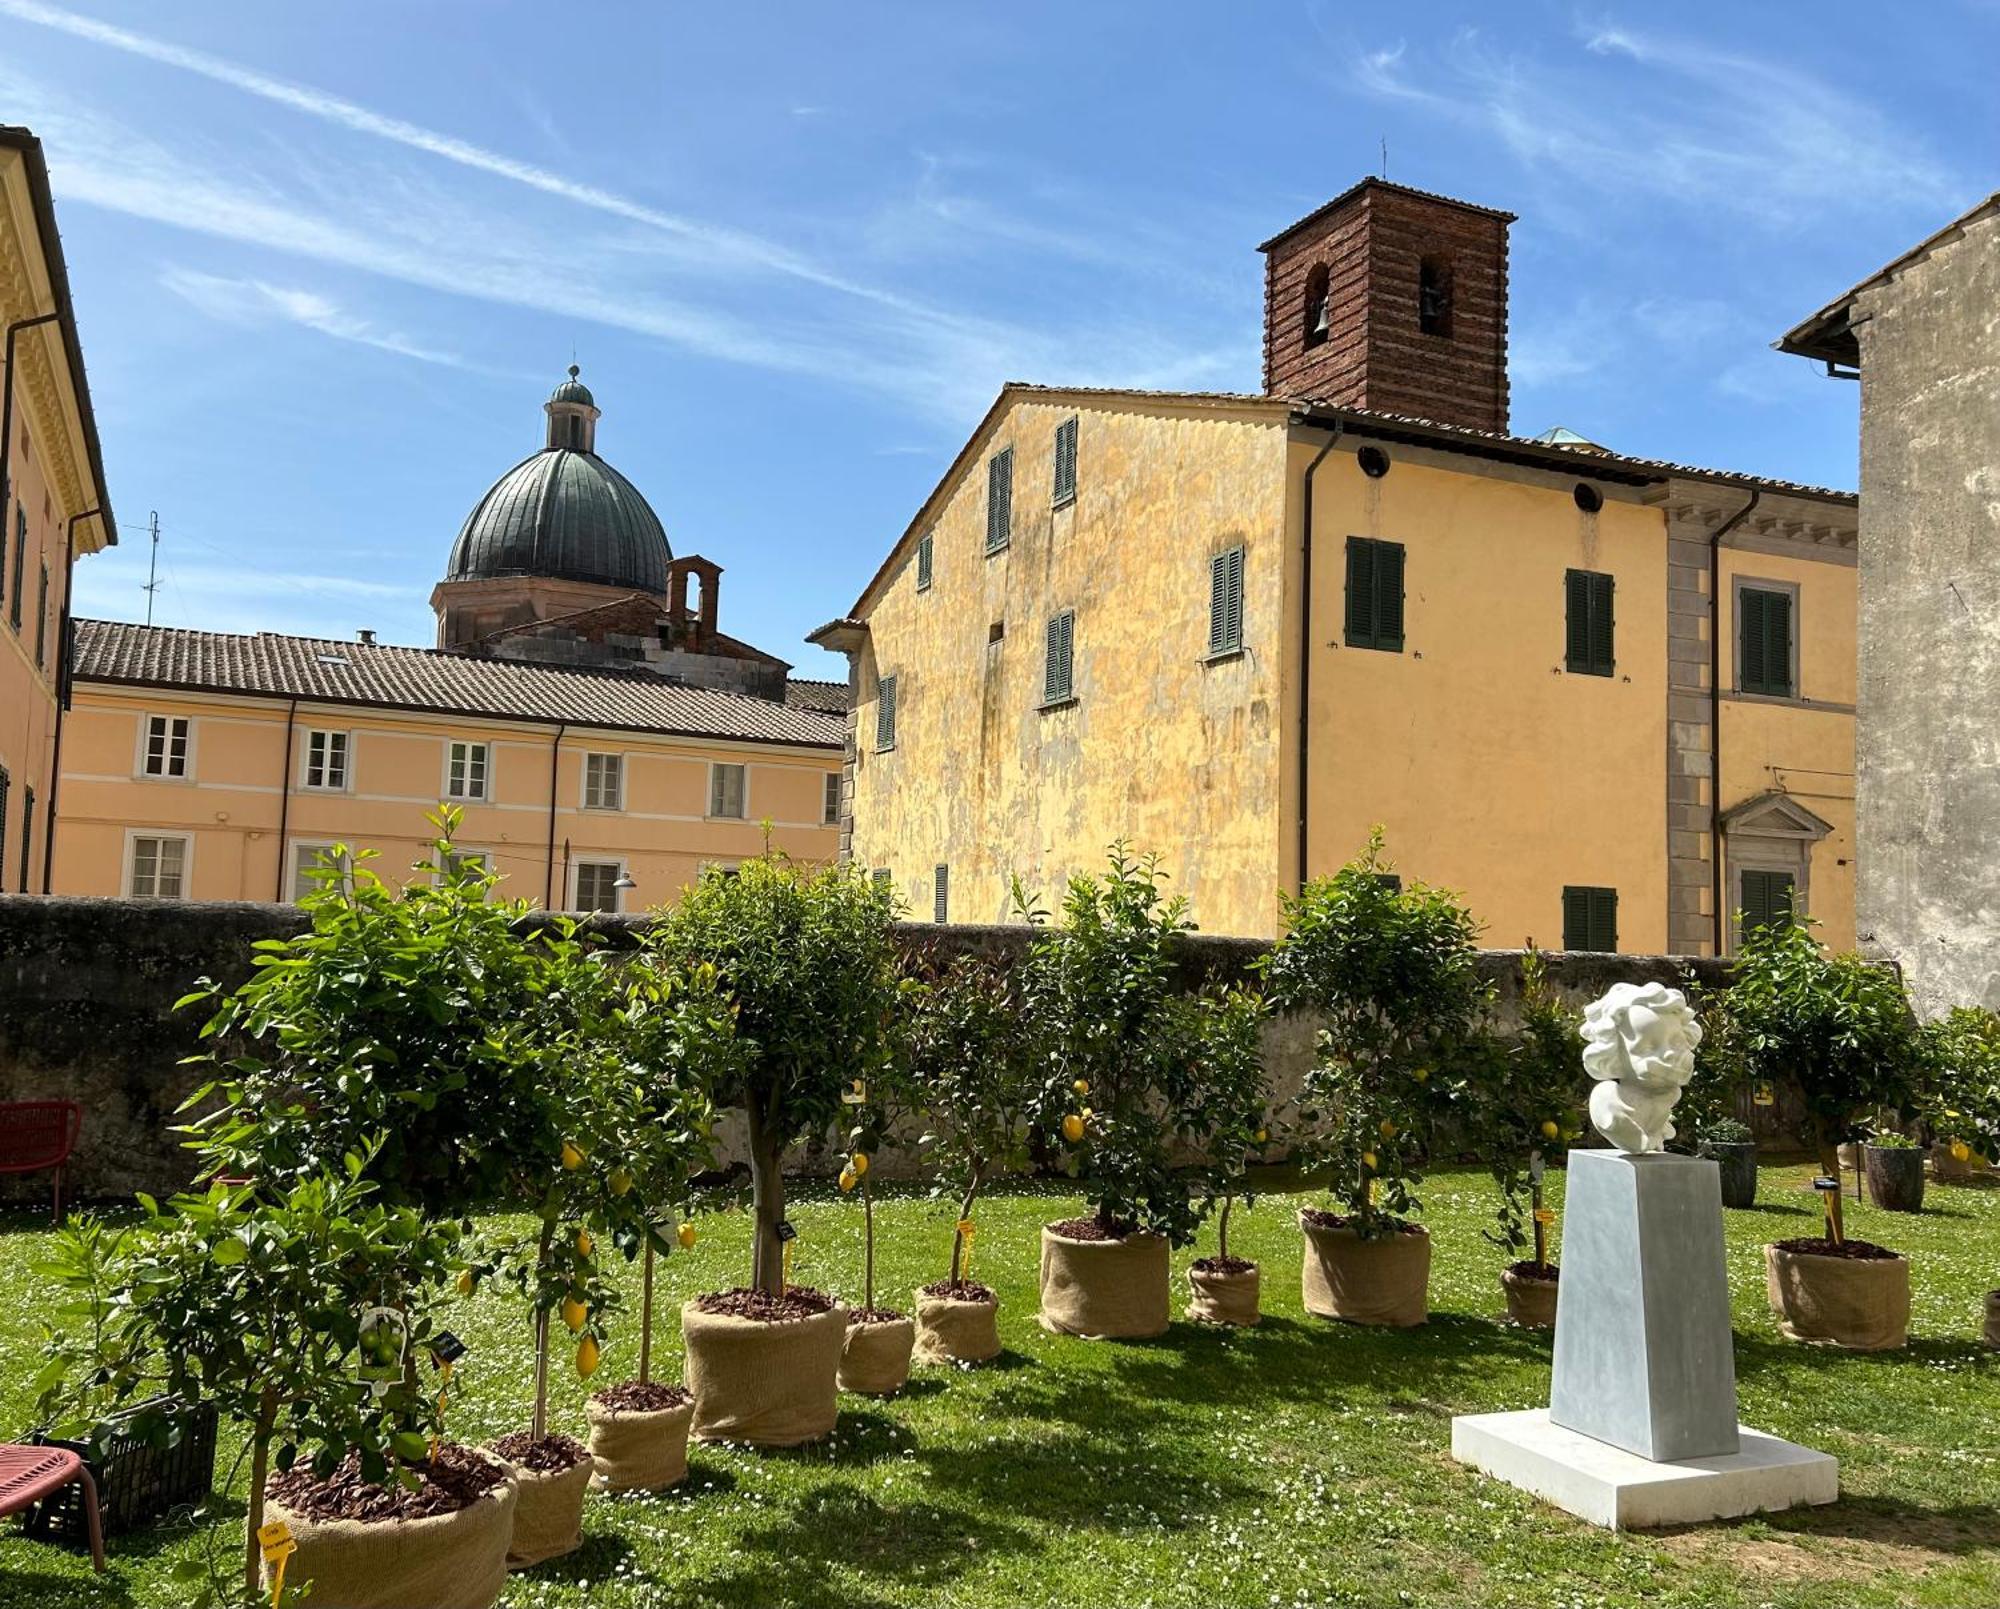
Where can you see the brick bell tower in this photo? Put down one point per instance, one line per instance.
(1392, 299)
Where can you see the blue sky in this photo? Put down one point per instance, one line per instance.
(329, 259)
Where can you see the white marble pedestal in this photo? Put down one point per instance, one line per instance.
(1610, 1487)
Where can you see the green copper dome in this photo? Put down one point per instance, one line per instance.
(564, 513)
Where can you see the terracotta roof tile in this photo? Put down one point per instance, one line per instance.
(382, 676)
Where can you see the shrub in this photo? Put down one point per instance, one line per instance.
(1961, 1099)
(804, 954)
(1110, 1026)
(1394, 973)
(1726, 1131)
(1527, 1100)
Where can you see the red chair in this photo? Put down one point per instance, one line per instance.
(29, 1474)
(38, 1135)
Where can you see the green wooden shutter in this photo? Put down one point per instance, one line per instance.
(999, 499)
(1602, 643)
(1604, 918)
(885, 714)
(923, 564)
(1590, 918)
(1065, 467)
(1389, 596)
(42, 621)
(1750, 641)
(1764, 642)
(1225, 602)
(1587, 629)
(1778, 643)
(1058, 681)
(940, 893)
(1360, 592)
(1767, 898)
(20, 560)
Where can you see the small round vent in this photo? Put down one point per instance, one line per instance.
(1373, 461)
(1588, 497)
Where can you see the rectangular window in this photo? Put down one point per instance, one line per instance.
(42, 621)
(1065, 474)
(726, 792)
(999, 499)
(159, 868)
(596, 885)
(1764, 641)
(311, 859)
(1374, 594)
(1225, 602)
(1590, 918)
(604, 782)
(831, 814)
(466, 766)
(882, 879)
(1059, 667)
(27, 833)
(20, 562)
(326, 761)
(940, 893)
(1587, 634)
(885, 714)
(166, 752)
(1767, 898)
(923, 564)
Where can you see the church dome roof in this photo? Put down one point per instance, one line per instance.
(564, 513)
(573, 390)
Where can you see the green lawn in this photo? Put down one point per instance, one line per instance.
(1302, 1462)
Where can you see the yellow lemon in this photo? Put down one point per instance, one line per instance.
(584, 1244)
(1263, 1135)
(574, 1313)
(687, 1237)
(1388, 1129)
(586, 1356)
(466, 1281)
(1081, 1086)
(572, 1158)
(1960, 1151)
(1421, 1074)
(621, 1182)
(1550, 1129)
(1368, 1159)
(848, 1178)
(1072, 1128)
(859, 1163)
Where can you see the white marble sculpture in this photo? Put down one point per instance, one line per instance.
(1638, 1043)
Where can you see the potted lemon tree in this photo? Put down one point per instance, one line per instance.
(1122, 1055)
(804, 954)
(1961, 1107)
(961, 1042)
(875, 1358)
(1392, 973)
(1224, 1288)
(1839, 1029)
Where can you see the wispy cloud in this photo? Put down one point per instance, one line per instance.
(1644, 113)
(254, 301)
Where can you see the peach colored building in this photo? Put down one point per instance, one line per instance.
(52, 504)
(602, 737)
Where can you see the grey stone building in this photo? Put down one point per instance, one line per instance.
(1924, 336)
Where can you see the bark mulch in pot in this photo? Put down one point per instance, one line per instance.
(958, 1322)
(554, 1474)
(1222, 1265)
(960, 1290)
(1865, 1251)
(636, 1396)
(1320, 1218)
(639, 1436)
(549, 1456)
(458, 1476)
(797, 1302)
(1090, 1229)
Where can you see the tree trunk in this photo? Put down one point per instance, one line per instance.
(1222, 1229)
(260, 1471)
(539, 1424)
(1829, 1161)
(646, 1313)
(1365, 1205)
(767, 1187)
(868, 1243)
(1541, 1230)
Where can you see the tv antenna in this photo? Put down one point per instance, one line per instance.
(153, 565)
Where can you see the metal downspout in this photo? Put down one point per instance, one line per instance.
(285, 797)
(549, 881)
(1306, 641)
(64, 669)
(1715, 716)
(7, 407)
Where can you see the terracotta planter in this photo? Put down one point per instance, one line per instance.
(768, 1383)
(548, 1514)
(1991, 1334)
(1531, 1302)
(1737, 1164)
(1104, 1289)
(1224, 1296)
(875, 1359)
(1895, 1177)
(638, 1451)
(444, 1561)
(1381, 1280)
(951, 1329)
(1862, 1304)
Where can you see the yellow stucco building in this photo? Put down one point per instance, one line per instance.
(53, 505)
(603, 739)
(1606, 697)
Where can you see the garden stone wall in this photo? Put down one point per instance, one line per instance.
(87, 988)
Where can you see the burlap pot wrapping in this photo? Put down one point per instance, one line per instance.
(772, 1385)
(875, 1361)
(1382, 1280)
(1862, 1304)
(444, 1561)
(1531, 1303)
(548, 1515)
(638, 1452)
(1947, 1169)
(1991, 1335)
(1104, 1289)
(1224, 1298)
(953, 1331)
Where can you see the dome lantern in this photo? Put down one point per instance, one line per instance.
(573, 415)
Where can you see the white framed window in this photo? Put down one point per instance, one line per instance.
(325, 762)
(156, 865)
(831, 816)
(166, 746)
(308, 858)
(726, 792)
(468, 768)
(604, 782)
(595, 887)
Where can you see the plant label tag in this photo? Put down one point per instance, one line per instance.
(965, 1227)
(856, 1094)
(1545, 1215)
(1763, 1094)
(1826, 1182)
(446, 1348)
(786, 1231)
(276, 1541)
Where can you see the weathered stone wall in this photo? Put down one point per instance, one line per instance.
(1928, 743)
(87, 988)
